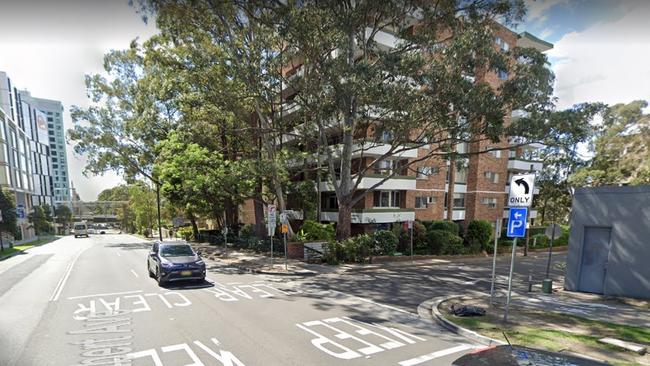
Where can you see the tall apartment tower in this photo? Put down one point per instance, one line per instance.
(481, 180)
(25, 167)
(53, 111)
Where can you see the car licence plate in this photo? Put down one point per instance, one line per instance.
(186, 273)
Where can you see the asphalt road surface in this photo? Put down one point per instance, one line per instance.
(91, 302)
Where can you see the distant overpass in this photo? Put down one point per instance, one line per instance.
(96, 211)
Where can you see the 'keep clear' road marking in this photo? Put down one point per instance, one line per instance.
(226, 358)
(354, 333)
(232, 293)
(135, 274)
(135, 302)
(434, 355)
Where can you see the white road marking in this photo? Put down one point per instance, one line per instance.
(118, 254)
(376, 303)
(59, 287)
(107, 294)
(135, 274)
(434, 355)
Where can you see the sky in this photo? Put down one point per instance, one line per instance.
(601, 52)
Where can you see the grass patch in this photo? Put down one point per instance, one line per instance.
(19, 248)
(557, 332)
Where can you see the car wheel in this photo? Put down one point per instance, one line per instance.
(159, 277)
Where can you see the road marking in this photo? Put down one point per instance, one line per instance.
(108, 294)
(118, 254)
(135, 274)
(376, 303)
(59, 287)
(434, 355)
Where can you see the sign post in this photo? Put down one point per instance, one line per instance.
(497, 234)
(272, 214)
(516, 229)
(520, 198)
(410, 226)
(284, 229)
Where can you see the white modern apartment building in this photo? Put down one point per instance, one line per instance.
(25, 167)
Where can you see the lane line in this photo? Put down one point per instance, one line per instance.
(59, 287)
(434, 355)
(135, 274)
(118, 254)
(106, 294)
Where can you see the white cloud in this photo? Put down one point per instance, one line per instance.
(607, 62)
(47, 47)
(537, 9)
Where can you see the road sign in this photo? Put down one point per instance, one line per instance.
(284, 219)
(517, 222)
(521, 190)
(272, 218)
(20, 211)
(178, 221)
(553, 231)
(284, 228)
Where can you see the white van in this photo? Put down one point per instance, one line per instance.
(80, 229)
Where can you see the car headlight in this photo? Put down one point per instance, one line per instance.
(200, 263)
(167, 264)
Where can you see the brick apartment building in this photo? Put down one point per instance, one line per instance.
(420, 192)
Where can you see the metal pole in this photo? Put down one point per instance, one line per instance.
(285, 251)
(497, 232)
(159, 218)
(550, 252)
(225, 235)
(512, 266)
(271, 250)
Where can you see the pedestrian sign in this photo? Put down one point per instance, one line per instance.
(521, 190)
(517, 222)
(272, 216)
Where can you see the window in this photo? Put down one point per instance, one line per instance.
(459, 200)
(492, 177)
(385, 136)
(503, 75)
(50, 119)
(387, 198)
(51, 133)
(52, 139)
(490, 202)
(330, 201)
(384, 167)
(503, 45)
(55, 160)
(49, 125)
(55, 166)
(424, 172)
(421, 202)
(496, 153)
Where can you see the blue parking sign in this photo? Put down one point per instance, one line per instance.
(517, 222)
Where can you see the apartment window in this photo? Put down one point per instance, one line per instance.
(383, 167)
(57, 114)
(50, 119)
(49, 113)
(387, 198)
(424, 172)
(385, 136)
(503, 45)
(50, 125)
(421, 202)
(490, 202)
(52, 139)
(330, 201)
(459, 200)
(55, 160)
(492, 176)
(496, 153)
(51, 133)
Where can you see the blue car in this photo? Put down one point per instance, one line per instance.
(169, 262)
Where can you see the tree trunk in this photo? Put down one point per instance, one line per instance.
(258, 206)
(344, 225)
(158, 209)
(195, 227)
(452, 182)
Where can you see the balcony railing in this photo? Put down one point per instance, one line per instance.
(519, 164)
(396, 183)
(374, 215)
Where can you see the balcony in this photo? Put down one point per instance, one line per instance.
(520, 165)
(457, 214)
(384, 39)
(518, 140)
(396, 183)
(374, 215)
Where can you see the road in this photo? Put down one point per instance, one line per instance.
(91, 302)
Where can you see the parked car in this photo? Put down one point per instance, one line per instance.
(519, 355)
(174, 262)
(80, 229)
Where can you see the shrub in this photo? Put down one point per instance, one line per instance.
(478, 235)
(443, 242)
(403, 236)
(449, 226)
(333, 252)
(186, 233)
(540, 241)
(316, 231)
(563, 239)
(385, 242)
(364, 243)
(247, 231)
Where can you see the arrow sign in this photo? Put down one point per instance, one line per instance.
(521, 190)
(517, 215)
(521, 181)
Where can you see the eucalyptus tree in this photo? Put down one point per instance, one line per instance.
(126, 119)
(398, 76)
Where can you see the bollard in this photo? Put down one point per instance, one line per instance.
(530, 282)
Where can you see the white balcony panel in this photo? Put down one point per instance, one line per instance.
(535, 190)
(458, 188)
(384, 38)
(532, 214)
(456, 215)
(373, 216)
(379, 149)
(294, 214)
(395, 184)
(524, 166)
(518, 113)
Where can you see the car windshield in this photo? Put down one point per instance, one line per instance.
(176, 250)
(79, 227)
